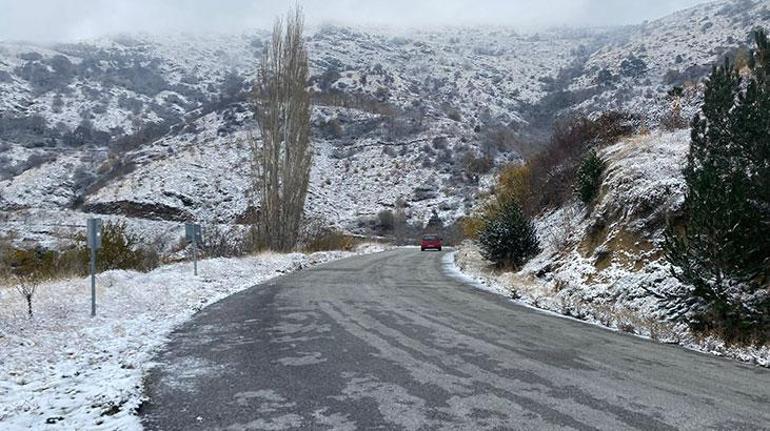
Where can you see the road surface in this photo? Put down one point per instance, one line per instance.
(389, 341)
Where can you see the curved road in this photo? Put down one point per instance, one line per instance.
(389, 341)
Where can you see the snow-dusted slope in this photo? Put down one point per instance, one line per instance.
(157, 127)
(677, 50)
(604, 263)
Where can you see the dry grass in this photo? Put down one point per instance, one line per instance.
(594, 237)
(620, 247)
(660, 331)
(623, 319)
(331, 240)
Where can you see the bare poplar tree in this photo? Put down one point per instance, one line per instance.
(283, 157)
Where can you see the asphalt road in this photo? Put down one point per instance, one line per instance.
(389, 341)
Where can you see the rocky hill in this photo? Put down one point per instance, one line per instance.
(155, 129)
(677, 50)
(604, 263)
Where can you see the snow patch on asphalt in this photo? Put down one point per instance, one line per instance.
(63, 370)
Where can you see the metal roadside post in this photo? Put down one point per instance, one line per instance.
(193, 234)
(94, 239)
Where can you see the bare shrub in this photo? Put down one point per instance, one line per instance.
(471, 226)
(27, 286)
(253, 242)
(219, 242)
(386, 220)
(497, 139)
(673, 119)
(660, 331)
(331, 239)
(548, 177)
(559, 235)
(318, 235)
(475, 166)
(122, 249)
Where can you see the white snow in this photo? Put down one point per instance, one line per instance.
(694, 38)
(78, 372)
(482, 281)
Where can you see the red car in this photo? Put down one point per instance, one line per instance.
(430, 242)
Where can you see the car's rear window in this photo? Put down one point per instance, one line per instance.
(430, 237)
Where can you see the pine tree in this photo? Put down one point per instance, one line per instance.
(723, 249)
(508, 237)
(588, 177)
(435, 223)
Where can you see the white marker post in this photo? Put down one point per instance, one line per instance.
(94, 239)
(193, 234)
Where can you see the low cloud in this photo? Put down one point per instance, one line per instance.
(53, 20)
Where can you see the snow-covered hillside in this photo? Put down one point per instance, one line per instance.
(604, 263)
(157, 127)
(677, 50)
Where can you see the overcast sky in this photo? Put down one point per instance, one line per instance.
(53, 20)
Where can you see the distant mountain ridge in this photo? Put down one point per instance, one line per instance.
(155, 129)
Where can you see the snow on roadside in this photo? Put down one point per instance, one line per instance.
(466, 264)
(603, 264)
(65, 370)
(476, 277)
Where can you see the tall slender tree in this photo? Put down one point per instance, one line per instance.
(723, 248)
(283, 154)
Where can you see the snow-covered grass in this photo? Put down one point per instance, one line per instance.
(64, 370)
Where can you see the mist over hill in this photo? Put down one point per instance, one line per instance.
(155, 129)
